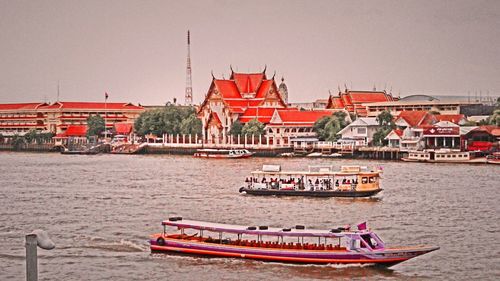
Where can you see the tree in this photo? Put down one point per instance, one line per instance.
(18, 142)
(494, 119)
(253, 127)
(385, 119)
(95, 125)
(236, 128)
(30, 136)
(191, 125)
(386, 123)
(171, 119)
(328, 127)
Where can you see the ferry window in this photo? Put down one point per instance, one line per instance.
(448, 156)
(364, 180)
(372, 179)
(454, 156)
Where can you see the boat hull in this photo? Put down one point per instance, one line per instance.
(383, 257)
(221, 156)
(470, 161)
(309, 193)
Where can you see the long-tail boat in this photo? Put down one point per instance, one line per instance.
(318, 181)
(290, 245)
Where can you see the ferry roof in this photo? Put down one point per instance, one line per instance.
(322, 171)
(271, 231)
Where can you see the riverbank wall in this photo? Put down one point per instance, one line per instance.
(44, 147)
(261, 152)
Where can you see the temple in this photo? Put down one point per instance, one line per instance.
(354, 101)
(243, 97)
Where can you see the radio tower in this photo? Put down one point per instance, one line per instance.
(189, 88)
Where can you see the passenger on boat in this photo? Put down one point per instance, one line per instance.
(337, 183)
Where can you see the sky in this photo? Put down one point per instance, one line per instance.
(135, 50)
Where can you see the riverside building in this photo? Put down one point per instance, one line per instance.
(20, 118)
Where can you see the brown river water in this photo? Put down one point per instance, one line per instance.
(100, 210)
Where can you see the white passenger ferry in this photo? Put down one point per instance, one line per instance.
(443, 156)
(318, 181)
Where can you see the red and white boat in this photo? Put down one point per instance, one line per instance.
(291, 245)
(223, 153)
(493, 158)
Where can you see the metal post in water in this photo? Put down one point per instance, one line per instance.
(31, 258)
(41, 239)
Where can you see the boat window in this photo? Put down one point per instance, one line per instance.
(364, 179)
(372, 179)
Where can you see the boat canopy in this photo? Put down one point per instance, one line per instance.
(260, 230)
(318, 171)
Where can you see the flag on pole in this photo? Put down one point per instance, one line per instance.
(106, 96)
(362, 226)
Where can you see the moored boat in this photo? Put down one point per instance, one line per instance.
(444, 156)
(290, 245)
(223, 153)
(493, 158)
(318, 181)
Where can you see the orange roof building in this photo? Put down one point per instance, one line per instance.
(59, 116)
(288, 123)
(353, 101)
(242, 97)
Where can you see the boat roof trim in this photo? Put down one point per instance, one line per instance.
(271, 231)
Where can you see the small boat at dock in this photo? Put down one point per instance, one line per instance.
(297, 244)
(318, 181)
(493, 158)
(223, 153)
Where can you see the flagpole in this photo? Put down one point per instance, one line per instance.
(105, 115)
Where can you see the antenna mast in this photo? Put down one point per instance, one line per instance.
(189, 88)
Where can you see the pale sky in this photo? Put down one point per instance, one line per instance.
(136, 49)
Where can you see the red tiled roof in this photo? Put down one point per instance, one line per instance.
(227, 88)
(366, 97)
(243, 102)
(123, 128)
(301, 117)
(398, 132)
(263, 114)
(454, 118)
(335, 102)
(76, 131)
(490, 129)
(21, 106)
(94, 105)
(248, 82)
(413, 118)
(264, 88)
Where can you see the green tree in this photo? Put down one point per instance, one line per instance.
(386, 120)
(191, 125)
(18, 142)
(328, 127)
(31, 136)
(253, 127)
(494, 119)
(386, 123)
(171, 119)
(95, 125)
(236, 128)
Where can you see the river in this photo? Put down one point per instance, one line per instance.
(100, 210)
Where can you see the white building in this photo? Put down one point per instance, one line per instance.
(362, 128)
